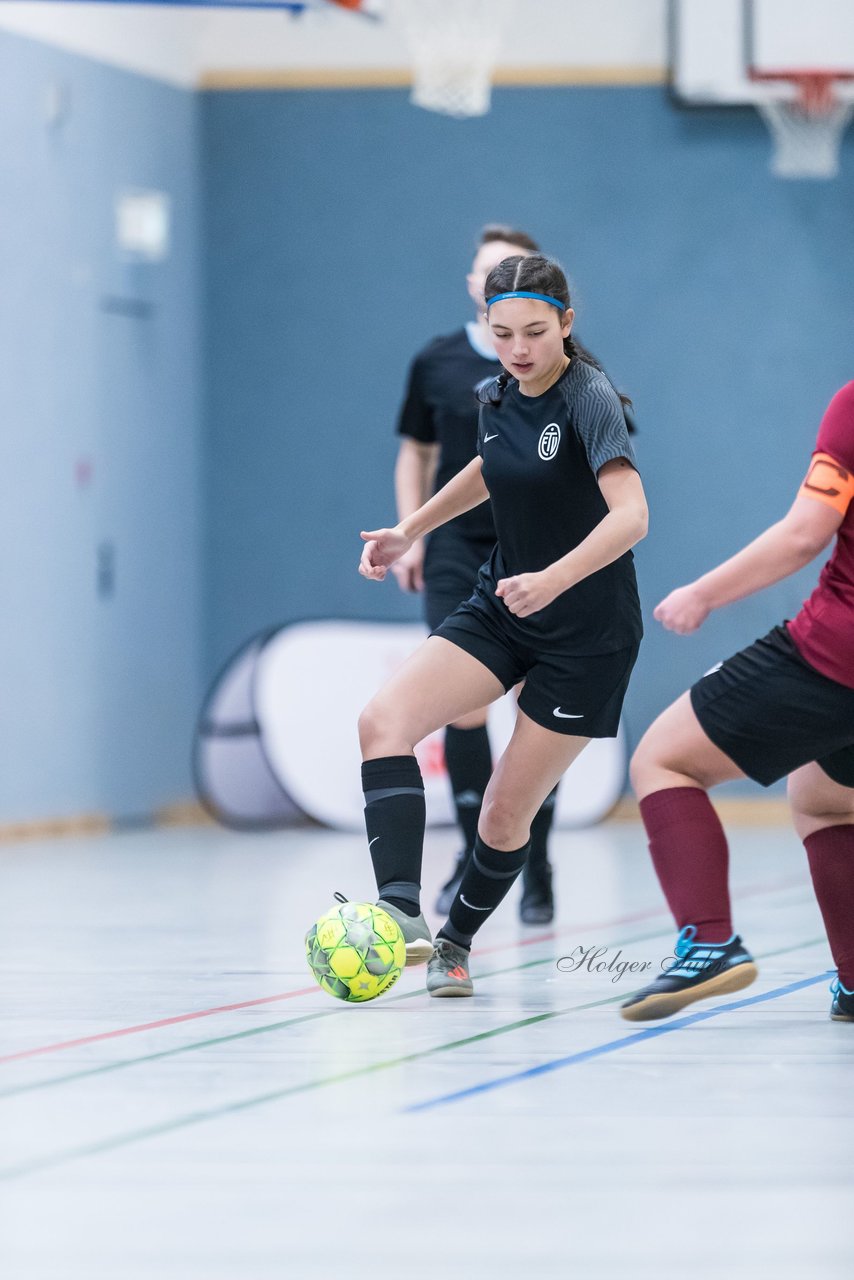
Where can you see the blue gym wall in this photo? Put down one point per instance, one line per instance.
(240, 431)
(100, 693)
(339, 227)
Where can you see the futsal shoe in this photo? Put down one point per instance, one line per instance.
(537, 905)
(842, 1009)
(701, 970)
(416, 934)
(447, 970)
(449, 889)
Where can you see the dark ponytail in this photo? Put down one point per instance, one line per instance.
(538, 274)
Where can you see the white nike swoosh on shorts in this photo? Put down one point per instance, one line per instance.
(565, 715)
(473, 907)
(494, 437)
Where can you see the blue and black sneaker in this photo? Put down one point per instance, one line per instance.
(842, 1009)
(701, 969)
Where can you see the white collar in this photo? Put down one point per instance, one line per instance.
(474, 336)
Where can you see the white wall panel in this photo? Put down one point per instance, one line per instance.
(182, 45)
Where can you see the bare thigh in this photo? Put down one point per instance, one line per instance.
(479, 717)
(436, 686)
(531, 766)
(817, 801)
(675, 751)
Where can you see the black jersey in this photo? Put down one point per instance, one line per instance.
(541, 455)
(441, 408)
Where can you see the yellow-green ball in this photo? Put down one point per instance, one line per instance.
(355, 951)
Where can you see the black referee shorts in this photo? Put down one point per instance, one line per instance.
(575, 695)
(450, 572)
(771, 712)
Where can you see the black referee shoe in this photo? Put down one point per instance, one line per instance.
(842, 1009)
(701, 970)
(449, 889)
(537, 905)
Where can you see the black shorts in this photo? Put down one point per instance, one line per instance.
(450, 572)
(771, 712)
(567, 693)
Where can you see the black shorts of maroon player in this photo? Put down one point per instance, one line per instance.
(771, 712)
(579, 695)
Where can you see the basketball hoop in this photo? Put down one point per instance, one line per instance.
(454, 46)
(806, 129)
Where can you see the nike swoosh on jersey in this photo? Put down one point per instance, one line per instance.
(473, 907)
(565, 715)
(493, 437)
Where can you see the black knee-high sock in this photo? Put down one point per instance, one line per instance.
(486, 881)
(540, 830)
(469, 764)
(394, 818)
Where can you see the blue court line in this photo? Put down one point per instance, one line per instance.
(612, 1046)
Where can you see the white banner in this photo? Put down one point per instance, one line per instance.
(310, 682)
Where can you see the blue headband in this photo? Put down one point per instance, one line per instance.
(522, 293)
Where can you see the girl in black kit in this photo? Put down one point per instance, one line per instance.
(556, 605)
(438, 437)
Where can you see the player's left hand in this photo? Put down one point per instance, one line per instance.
(382, 548)
(683, 611)
(527, 593)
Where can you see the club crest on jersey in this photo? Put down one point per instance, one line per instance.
(549, 441)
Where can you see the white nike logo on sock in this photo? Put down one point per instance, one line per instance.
(370, 842)
(473, 907)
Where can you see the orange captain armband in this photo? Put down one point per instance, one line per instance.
(828, 481)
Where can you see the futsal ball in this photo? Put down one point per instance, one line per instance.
(355, 951)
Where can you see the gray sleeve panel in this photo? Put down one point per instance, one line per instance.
(599, 422)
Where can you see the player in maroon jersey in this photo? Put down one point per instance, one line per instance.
(782, 707)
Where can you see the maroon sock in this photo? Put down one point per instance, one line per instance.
(831, 856)
(691, 858)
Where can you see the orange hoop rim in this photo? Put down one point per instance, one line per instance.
(815, 85)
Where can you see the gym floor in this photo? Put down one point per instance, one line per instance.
(177, 1099)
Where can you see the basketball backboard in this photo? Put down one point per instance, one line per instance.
(736, 52)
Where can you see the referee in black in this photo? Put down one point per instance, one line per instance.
(438, 429)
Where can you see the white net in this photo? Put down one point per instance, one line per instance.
(807, 131)
(454, 45)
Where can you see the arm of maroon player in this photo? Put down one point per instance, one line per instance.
(810, 525)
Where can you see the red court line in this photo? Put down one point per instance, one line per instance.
(630, 918)
(635, 917)
(151, 1026)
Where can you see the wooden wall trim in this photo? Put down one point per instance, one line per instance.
(401, 77)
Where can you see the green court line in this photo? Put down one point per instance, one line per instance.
(69, 1077)
(86, 1073)
(245, 1104)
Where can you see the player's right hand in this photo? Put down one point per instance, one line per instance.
(382, 548)
(409, 569)
(683, 611)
